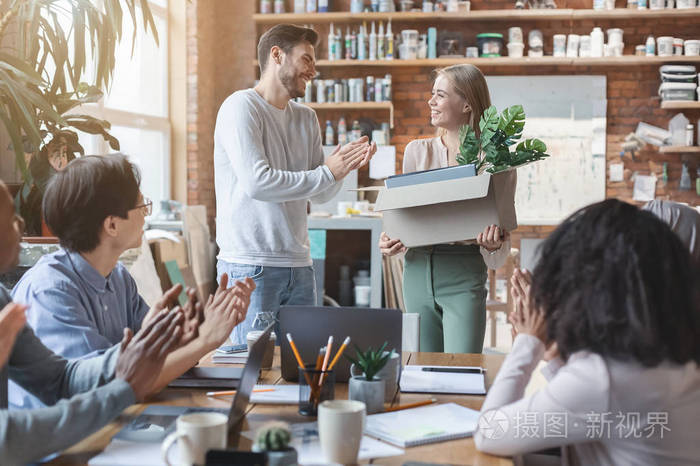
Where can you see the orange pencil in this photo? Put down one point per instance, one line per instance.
(233, 392)
(412, 405)
(298, 357)
(339, 353)
(329, 346)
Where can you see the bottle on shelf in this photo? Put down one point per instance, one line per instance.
(362, 42)
(370, 89)
(330, 134)
(597, 42)
(353, 45)
(375, 6)
(279, 6)
(338, 44)
(685, 178)
(641, 4)
(381, 51)
(356, 6)
(386, 88)
(265, 6)
(373, 43)
(389, 42)
(311, 6)
(323, 6)
(331, 44)
(378, 90)
(299, 6)
(650, 46)
(342, 132)
(348, 43)
(356, 132)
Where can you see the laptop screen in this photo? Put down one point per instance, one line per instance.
(248, 379)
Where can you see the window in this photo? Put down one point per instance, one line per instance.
(137, 106)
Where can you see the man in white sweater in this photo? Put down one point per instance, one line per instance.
(268, 164)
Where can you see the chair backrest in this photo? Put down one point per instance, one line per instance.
(410, 338)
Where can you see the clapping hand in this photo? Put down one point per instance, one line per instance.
(12, 320)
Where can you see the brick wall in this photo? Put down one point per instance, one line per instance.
(631, 91)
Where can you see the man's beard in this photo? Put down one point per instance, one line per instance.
(288, 79)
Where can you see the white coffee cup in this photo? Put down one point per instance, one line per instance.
(340, 426)
(195, 434)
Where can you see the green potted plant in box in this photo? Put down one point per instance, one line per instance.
(498, 134)
(367, 387)
(51, 46)
(273, 438)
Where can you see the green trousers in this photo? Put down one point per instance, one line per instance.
(446, 285)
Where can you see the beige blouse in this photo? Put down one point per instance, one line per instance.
(427, 154)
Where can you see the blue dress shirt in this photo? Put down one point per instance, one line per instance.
(74, 310)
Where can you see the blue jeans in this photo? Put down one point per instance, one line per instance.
(275, 287)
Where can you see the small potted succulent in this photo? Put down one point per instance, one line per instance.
(273, 438)
(367, 387)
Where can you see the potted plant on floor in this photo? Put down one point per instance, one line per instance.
(273, 439)
(367, 387)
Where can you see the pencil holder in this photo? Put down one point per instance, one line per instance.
(315, 386)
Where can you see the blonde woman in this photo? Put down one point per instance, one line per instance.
(446, 283)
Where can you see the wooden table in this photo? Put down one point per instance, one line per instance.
(460, 451)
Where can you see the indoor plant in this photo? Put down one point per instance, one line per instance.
(273, 438)
(42, 80)
(367, 387)
(498, 134)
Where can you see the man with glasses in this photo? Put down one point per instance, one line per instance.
(81, 298)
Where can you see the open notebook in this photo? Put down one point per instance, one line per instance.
(418, 426)
(415, 379)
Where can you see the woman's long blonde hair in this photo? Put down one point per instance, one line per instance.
(468, 82)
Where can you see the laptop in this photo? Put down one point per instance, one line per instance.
(310, 327)
(157, 422)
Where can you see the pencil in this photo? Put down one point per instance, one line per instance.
(233, 392)
(339, 353)
(298, 357)
(329, 346)
(412, 405)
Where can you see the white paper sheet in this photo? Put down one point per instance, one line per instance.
(617, 171)
(283, 394)
(414, 379)
(644, 188)
(123, 453)
(383, 163)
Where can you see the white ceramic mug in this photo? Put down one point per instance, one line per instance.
(389, 373)
(340, 426)
(195, 434)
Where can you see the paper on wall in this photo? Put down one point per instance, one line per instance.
(644, 188)
(383, 163)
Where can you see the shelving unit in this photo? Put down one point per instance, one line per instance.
(477, 15)
(680, 150)
(356, 106)
(681, 105)
(629, 60)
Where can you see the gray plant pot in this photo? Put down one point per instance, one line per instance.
(286, 457)
(371, 393)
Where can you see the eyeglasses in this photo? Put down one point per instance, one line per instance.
(147, 206)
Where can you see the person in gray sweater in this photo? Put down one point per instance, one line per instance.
(85, 395)
(268, 164)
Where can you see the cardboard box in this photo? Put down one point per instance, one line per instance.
(448, 211)
(165, 250)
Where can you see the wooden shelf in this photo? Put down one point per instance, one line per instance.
(679, 149)
(477, 15)
(629, 60)
(348, 106)
(681, 104)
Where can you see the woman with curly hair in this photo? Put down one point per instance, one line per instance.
(616, 295)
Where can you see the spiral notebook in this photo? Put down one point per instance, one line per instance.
(418, 426)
